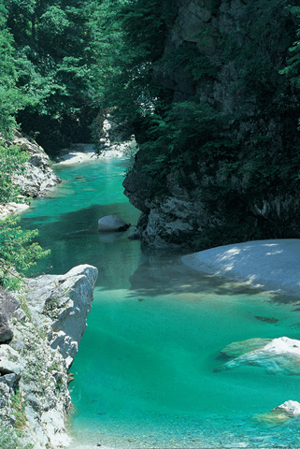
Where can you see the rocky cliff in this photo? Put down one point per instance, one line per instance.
(229, 174)
(40, 330)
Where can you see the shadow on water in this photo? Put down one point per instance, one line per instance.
(164, 273)
(74, 239)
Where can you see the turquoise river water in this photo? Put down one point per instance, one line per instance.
(144, 373)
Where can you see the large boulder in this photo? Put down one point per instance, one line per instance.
(66, 300)
(112, 223)
(281, 355)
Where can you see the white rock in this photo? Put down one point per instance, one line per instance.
(292, 408)
(10, 360)
(66, 300)
(281, 355)
(269, 264)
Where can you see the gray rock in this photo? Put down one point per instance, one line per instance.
(6, 334)
(35, 363)
(112, 223)
(135, 235)
(66, 300)
(11, 361)
(11, 380)
(38, 177)
(9, 306)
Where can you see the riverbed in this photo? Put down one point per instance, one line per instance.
(146, 372)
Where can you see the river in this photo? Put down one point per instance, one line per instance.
(144, 374)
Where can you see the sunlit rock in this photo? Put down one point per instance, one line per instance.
(281, 355)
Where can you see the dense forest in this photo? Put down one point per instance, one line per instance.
(210, 90)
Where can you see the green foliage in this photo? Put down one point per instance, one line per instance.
(17, 249)
(8, 438)
(51, 39)
(18, 408)
(12, 98)
(12, 160)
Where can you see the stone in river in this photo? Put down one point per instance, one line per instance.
(281, 355)
(112, 223)
(285, 411)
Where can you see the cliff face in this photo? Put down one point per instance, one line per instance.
(240, 182)
(41, 329)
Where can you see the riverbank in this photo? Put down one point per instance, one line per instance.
(41, 328)
(85, 152)
(268, 264)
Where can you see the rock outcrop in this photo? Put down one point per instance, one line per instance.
(46, 322)
(38, 177)
(281, 355)
(238, 78)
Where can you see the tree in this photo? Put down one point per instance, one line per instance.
(12, 98)
(17, 249)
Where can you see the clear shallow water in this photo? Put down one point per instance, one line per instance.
(144, 374)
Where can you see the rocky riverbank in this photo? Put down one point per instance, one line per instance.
(40, 330)
(37, 179)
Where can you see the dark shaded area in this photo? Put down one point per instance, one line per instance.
(74, 239)
(267, 319)
(163, 273)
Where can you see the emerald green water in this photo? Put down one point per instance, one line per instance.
(144, 373)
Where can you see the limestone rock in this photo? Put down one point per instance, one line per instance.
(8, 307)
(38, 177)
(67, 300)
(10, 361)
(112, 223)
(281, 355)
(280, 414)
(34, 364)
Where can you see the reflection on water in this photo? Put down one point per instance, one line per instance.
(145, 372)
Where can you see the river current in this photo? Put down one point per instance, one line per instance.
(145, 371)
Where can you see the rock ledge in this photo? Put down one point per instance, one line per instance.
(46, 322)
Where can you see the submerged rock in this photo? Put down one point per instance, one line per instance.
(112, 223)
(281, 355)
(282, 413)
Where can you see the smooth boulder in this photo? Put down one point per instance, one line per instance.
(112, 223)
